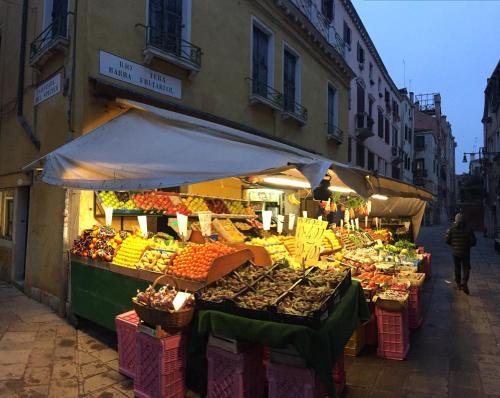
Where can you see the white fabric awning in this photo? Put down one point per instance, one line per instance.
(149, 148)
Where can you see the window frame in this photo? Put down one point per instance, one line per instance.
(361, 163)
(256, 23)
(298, 73)
(185, 19)
(331, 86)
(360, 53)
(347, 32)
(387, 131)
(331, 16)
(6, 198)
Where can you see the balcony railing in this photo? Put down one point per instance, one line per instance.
(334, 133)
(53, 37)
(364, 126)
(262, 93)
(322, 24)
(294, 110)
(171, 48)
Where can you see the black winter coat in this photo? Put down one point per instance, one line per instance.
(461, 238)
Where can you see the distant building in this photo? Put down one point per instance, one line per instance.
(491, 125)
(375, 101)
(406, 141)
(429, 118)
(425, 173)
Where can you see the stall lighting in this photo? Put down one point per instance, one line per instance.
(287, 182)
(379, 197)
(335, 188)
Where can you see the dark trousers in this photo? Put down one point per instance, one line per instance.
(462, 269)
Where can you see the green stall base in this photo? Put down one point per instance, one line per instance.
(99, 295)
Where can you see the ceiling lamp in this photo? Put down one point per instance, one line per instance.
(288, 182)
(379, 197)
(335, 188)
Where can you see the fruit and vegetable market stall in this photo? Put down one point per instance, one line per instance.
(291, 296)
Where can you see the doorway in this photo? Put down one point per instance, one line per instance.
(21, 213)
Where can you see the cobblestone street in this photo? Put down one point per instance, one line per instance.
(454, 353)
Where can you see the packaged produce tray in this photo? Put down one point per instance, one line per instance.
(270, 311)
(315, 318)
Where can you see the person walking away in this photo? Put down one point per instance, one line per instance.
(461, 238)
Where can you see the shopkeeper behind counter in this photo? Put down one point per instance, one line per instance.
(323, 193)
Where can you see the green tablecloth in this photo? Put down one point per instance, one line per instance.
(320, 348)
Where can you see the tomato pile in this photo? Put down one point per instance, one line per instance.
(195, 260)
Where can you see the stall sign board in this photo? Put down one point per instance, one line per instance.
(48, 89)
(127, 71)
(308, 238)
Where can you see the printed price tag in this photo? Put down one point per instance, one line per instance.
(281, 221)
(180, 299)
(205, 218)
(108, 212)
(291, 221)
(182, 222)
(143, 225)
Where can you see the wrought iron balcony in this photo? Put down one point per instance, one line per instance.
(397, 156)
(54, 38)
(334, 133)
(322, 24)
(261, 93)
(364, 126)
(171, 48)
(294, 110)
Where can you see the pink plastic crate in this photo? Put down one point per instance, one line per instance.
(126, 326)
(393, 334)
(288, 381)
(235, 375)
(415, 308)
(160, 364)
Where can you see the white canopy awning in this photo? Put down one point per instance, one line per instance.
(148, 148)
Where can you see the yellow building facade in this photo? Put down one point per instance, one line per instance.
(260, 66)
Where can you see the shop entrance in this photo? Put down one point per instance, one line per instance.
(20, 234)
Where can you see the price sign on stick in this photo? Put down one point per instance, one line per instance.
(291, 221)
(281, 221)
(308, 238)
(304, 214)
(182, 222)
(205, 218)
(108, 212)
(143, 225)
(266, 220)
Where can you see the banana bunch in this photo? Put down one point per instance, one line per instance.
(293, 200)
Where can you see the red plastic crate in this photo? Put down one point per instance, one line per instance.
(160, 364)
(288, 381)
(393, 334)
(415, 308)
(126, 327)
(235, 375)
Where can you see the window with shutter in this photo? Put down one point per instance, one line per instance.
(347, 35)
(165, 25)
(289, 81)
(327, 9)
(59, 18)
(332, 110)
(380, 124)
(387, 131)
(260, 62)
(360, 155)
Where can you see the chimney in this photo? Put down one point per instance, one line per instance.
(412, 96)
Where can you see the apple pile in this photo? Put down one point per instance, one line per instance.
(217, 206)
(160, 202)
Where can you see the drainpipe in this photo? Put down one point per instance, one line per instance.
(73, 73)
(20, 85)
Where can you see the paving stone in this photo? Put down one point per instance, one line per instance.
(41, 357)
(109, 393)
(12, 371)
(105, 355)
(427, 383)
(100, 381)
(92, 369)
(67, 388)
(461, 392)
(64, 370)
(126, 387)
(365, 377)
(392, 380)
(491, 384)
(34, 376)
(465, 379)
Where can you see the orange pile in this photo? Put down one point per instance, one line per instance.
(195, 260)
